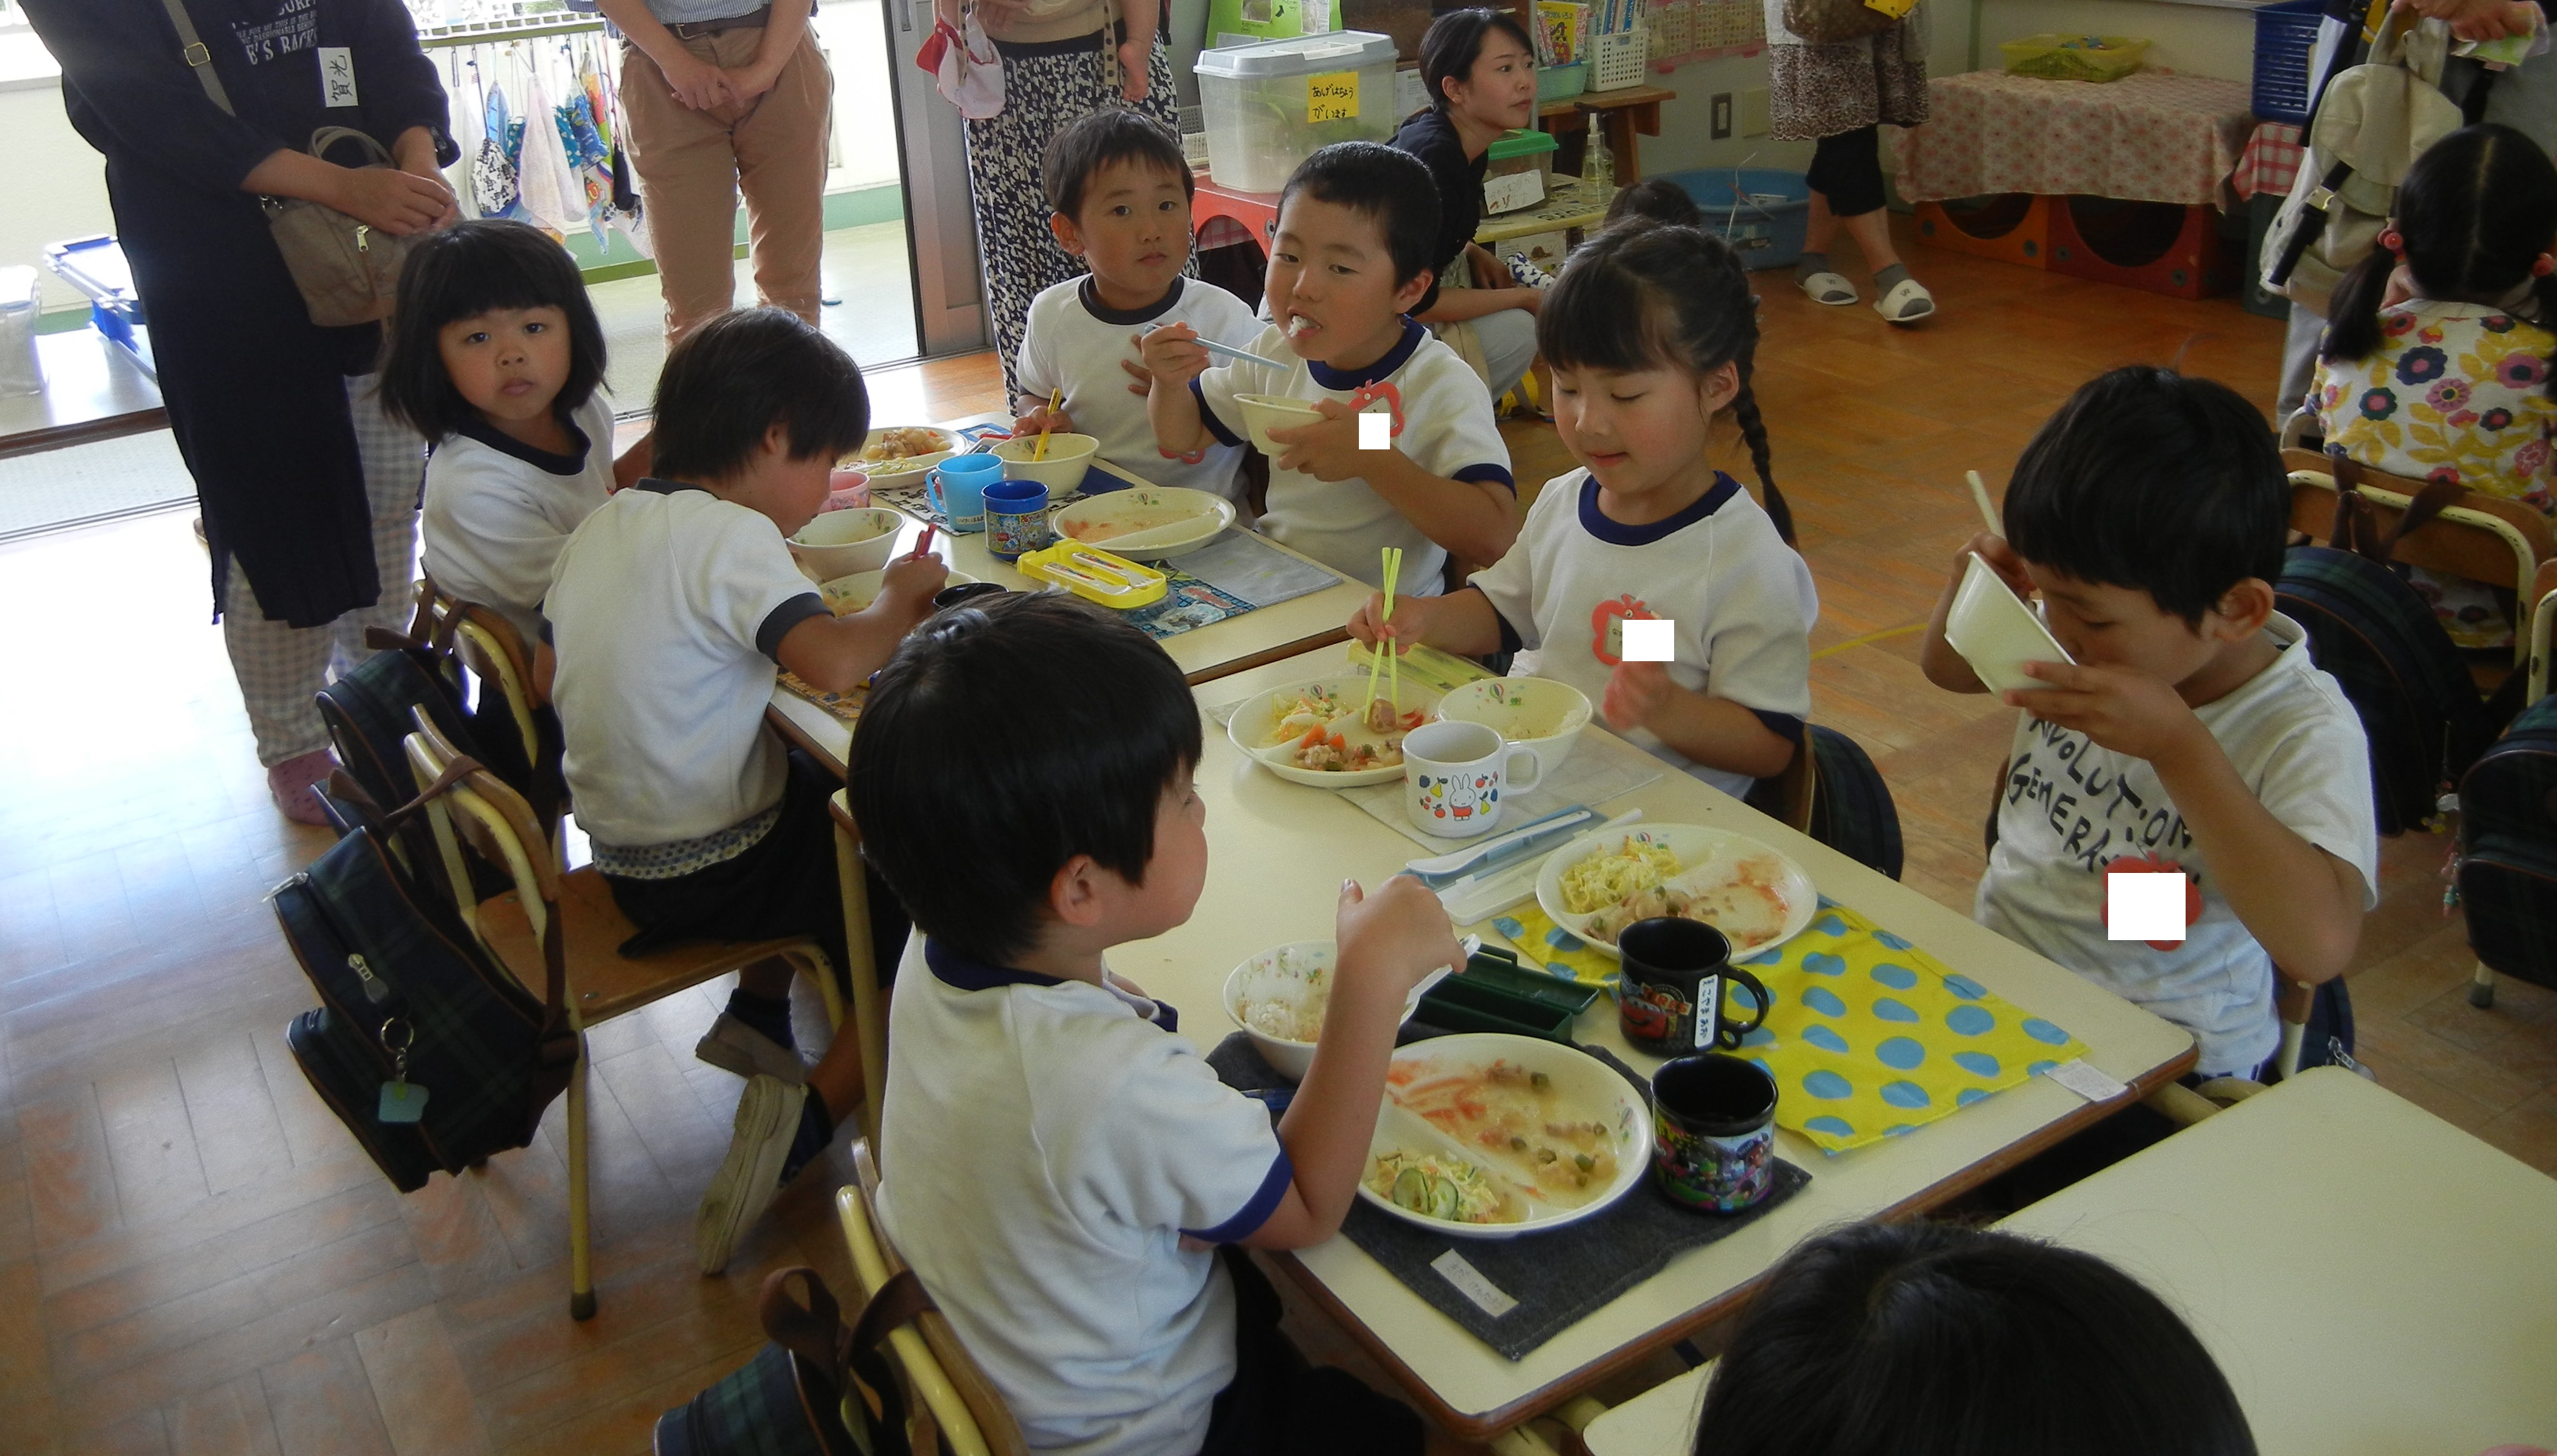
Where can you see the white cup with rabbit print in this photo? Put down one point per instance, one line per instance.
(1456, 775)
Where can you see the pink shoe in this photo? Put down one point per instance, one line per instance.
(294, 785)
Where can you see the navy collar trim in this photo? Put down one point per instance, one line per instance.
(540, 460)
(655, 486)
(962, 974)
(1617, 533)
(1393, 358)
(1089, 295)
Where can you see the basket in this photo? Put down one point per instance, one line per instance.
(1560, 83)
(1763, 215)
(2070, 57)
(1616, 62)
(2285, 34)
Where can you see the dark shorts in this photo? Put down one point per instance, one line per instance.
(783, 886)
(1279, 1406)
(1846, 169)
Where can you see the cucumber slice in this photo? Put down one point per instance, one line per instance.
(1443, 1197)
(1411, 1190)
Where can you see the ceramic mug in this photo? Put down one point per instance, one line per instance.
(1672, 997)
(1455, 773)
(1713, 1131)
(956, 487)
(1015, 517)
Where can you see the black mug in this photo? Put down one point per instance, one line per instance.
(1713, 1131)
(1671, 996)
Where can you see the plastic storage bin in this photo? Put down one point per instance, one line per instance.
(1616, 62)
(22, 370)
(1560, 83)
(1762, 212)
(1522, 151)
(1272, 104)
(2285, 33)
(2075, 57)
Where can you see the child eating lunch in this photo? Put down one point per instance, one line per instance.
(1651, 334)
(1356, 223)
(1122, 198)
(1058, 1162)
(2191, 734)
(673, 608)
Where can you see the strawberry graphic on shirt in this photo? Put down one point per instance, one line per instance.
(1607, 627)
(2150, 863)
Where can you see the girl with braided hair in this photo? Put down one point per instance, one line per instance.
(1651, 333)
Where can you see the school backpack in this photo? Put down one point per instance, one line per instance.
(2507, 860)
(1851, 807)
(816, 1389)
(423, 1044)
(2380, 641)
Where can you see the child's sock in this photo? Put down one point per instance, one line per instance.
(1887, 279)
(1810, 263)
(767, 1015)
(816, 1134)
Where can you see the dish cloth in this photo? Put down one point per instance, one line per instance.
(1530, 1288)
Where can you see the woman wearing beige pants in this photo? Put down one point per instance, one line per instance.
(724, 94)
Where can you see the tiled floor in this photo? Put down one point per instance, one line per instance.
(194, 1258)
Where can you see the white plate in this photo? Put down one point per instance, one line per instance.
(1997, 633)
(1146, 508)
(1589, 1088)
(857, 592)
(904, 469)
(1255, 716)
(1693, 844)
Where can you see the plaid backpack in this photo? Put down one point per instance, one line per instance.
(2507, 860)
(2418, 706)
(1851, 807)
(817, 1389)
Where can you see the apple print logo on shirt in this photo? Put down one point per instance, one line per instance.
(2150, 863)
(1607, 627)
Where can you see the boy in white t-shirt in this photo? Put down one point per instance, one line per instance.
(1059, 1163)
(1356, 225)
(1121, 194)
(2192, 733)
(672, 610)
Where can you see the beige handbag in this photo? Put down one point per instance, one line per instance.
(347, 269)
(1822, 22)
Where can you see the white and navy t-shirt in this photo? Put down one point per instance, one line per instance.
(1075, 343)
(497, 511)
(1742, 599)
(665, 610)
(1044, 1144)
(2070, 809)
(1448, 430)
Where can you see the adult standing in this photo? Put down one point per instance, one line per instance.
(1061, 59)
(1480, 68)
(309, 493)
(1838, 93)
(724, 95)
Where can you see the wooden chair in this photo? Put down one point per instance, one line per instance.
(870, 979)
(954, 1406)
(2501, 543)
(470, 642)
(482, 813)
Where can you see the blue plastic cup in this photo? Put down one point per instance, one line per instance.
(957, 488)
(1016, 518)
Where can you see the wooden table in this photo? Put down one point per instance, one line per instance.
(2372, 1281)
(1571, 207)
(94, 389)
(1205, 653)
(1620, 115)
(1278, 852)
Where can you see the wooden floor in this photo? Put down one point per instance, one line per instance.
(194, 1258)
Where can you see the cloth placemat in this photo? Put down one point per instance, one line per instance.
(1249, 568)
(1526, 1290)
(845, 706)
(1189, 604)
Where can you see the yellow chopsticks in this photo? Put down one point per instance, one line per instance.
(1055, 397)
(1388, 665)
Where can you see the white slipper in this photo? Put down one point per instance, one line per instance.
(1829, 289)
(1906, 302)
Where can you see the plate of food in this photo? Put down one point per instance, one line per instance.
(1740, 886)
(1148, 522)
(1315, 733)
(1489, 1135)
(898, 455)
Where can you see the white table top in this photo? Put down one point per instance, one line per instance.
(2372, 1281)
(1203, 653)
(1278, 853)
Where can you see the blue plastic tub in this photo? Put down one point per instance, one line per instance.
(1762, 212)
(2285, 33)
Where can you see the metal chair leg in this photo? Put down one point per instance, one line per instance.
(2482, 987)
(581, 1250)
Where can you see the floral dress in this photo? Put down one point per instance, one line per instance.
(2455, 392)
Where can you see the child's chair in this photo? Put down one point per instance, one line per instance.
(497, 655)
(572, 912)
(955, 1407)
(870, 979)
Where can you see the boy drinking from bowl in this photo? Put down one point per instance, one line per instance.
(1356, 225)
(2192, 734)
(670, 610)
(1121, 194)
(1059, 1162)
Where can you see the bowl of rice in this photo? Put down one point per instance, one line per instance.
(1278, 997)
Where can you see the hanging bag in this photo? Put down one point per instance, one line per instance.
(347, 269)
(817, 1389)
(2507, 860)
(966, 67)
(1824, 22)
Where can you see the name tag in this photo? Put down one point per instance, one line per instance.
(336, 77)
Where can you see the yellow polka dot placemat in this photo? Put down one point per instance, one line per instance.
(1869, 1036)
